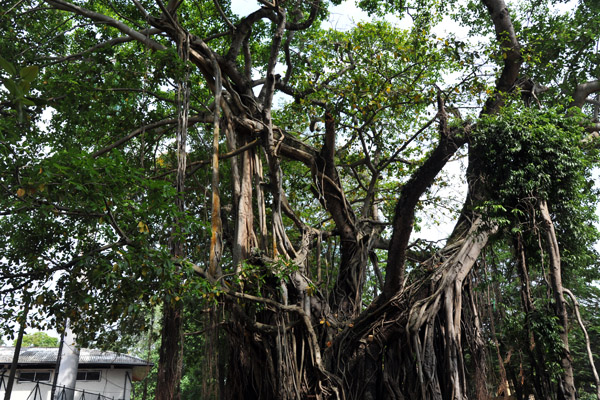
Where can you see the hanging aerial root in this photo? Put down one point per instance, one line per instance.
(445, 306)
(587, 340)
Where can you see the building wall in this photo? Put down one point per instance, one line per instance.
(111, 385)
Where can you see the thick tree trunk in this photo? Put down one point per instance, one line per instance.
(170, 357)
(421, 326)
(245, 239)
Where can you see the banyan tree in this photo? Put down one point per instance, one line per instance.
(257, 182)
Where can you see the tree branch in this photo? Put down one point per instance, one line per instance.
(111, 42)
(511, 50)
(582, 91)
(66, 6)
(404, 213)
(191, 121)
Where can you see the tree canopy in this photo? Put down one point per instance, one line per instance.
(261, 180)
(38, 339)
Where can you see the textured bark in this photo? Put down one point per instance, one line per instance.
(509, 44)
(476, 345)
(410, 346)
(245, 239)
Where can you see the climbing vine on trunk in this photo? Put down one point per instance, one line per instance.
(264, 181)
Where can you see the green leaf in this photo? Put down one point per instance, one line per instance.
(24, 87)
(28, 74)
(8, 66)
(13, 88)
(27, 102)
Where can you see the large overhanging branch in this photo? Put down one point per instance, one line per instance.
(243, 29)
(107, 43)
(101, 18)
(299, 26)
(582, 91)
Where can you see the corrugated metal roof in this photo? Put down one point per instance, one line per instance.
(48, 355)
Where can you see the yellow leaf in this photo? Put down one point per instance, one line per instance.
(42, 187)
(21, 192)
(41, 170)
(142, 227)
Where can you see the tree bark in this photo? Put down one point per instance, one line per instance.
(216, 241)
(170, 356)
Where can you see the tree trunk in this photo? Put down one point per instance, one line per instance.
(423, 323)
(170, 357)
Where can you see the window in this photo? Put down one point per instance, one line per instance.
(34, 376)
(88, 375)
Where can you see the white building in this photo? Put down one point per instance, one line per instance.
(102, 375)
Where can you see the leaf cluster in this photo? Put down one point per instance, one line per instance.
(528, 155)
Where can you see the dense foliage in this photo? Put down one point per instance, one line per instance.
(240, 198)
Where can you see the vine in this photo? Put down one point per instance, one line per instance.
(527, 155)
